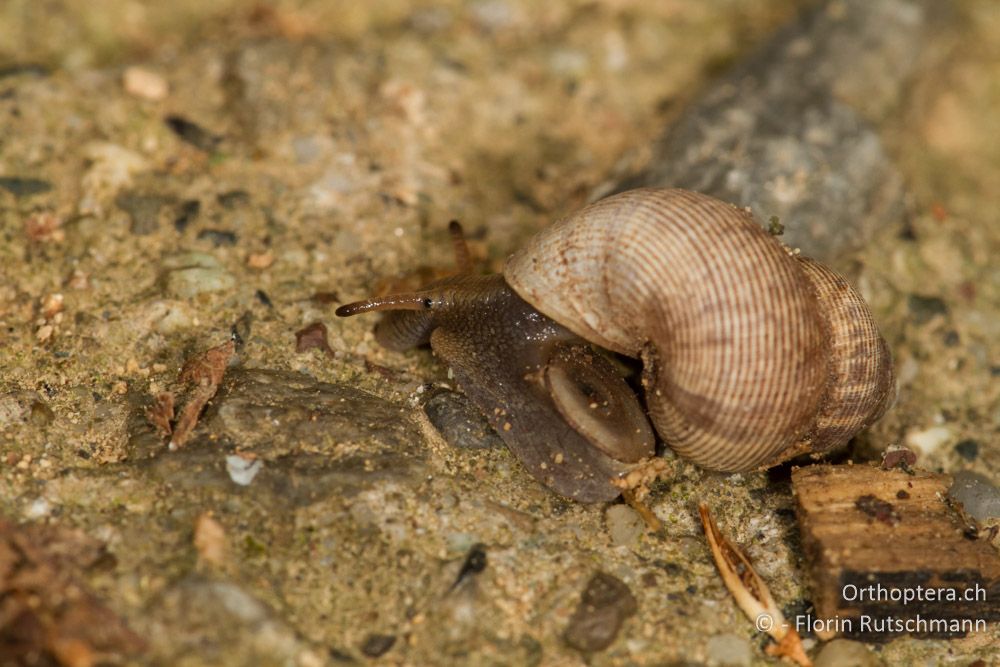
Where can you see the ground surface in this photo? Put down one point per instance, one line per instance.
(322, 148)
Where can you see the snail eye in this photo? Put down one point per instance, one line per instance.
(427, 303)
(598, 404)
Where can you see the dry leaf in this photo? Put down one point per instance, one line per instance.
(45, 610)
(751, 593)
(205, 372)
(161, 415)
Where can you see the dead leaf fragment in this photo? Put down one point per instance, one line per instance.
(161, 414)
(44, 226)
(751, 593)
(45, 610)
(203, 373)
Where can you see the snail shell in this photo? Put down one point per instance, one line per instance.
(751, 355)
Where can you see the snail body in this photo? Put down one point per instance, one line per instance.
(751, 355)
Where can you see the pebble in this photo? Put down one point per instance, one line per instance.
(218, 237)
(143, 209)
(624, 524)
(193, 273)
(187, 213)
(241, 470)
(845, 653)
(459, 422)
(24, 187)
(928, 440)
(978, 494)
(39, 508)
(968, 449)
(782, 132)
(193, 133)
(729, 650)
(925, 308)
(376, 645)
(144, 83)
(604, 606)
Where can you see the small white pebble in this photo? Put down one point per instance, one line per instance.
(144, 83)
(39, 508)
(928, 440)
(241, 470)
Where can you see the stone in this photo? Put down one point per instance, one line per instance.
(24, 187)
(928, 440)
(143, 209)
(845, 653)
(201, 611)
(459, 421)
(241, 470)
(144, 83)
(729, 650)
(625, 526)
(925, 308)
(376, 645)
(605, 605)
(190, 274)
(782, 132)
(979, 496)
(968, 449)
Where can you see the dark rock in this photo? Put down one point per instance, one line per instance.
(193, 133)
(240, 331)
(264, 299)
(475, 562)
(143, 209)
(777, 135)
(218, 237)
(189, 210)
(979, 496)
(459, 421)
(18, 69)
(967, 449)
(376, 646)
(925, 308)
(605, 605)
(293, 425)
(24, 187)
(41, 414)
(278, 411)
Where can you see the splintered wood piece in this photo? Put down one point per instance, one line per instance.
(751, 593)
(889, 555)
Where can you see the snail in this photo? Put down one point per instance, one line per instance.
(751, 354)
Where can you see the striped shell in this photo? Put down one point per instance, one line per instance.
(751, 355)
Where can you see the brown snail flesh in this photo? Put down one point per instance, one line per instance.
(751, 355)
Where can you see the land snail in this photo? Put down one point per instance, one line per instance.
(750, 353)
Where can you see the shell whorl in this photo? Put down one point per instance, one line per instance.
(738, 366)
(861, 383)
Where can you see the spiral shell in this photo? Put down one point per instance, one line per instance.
(751, 355)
